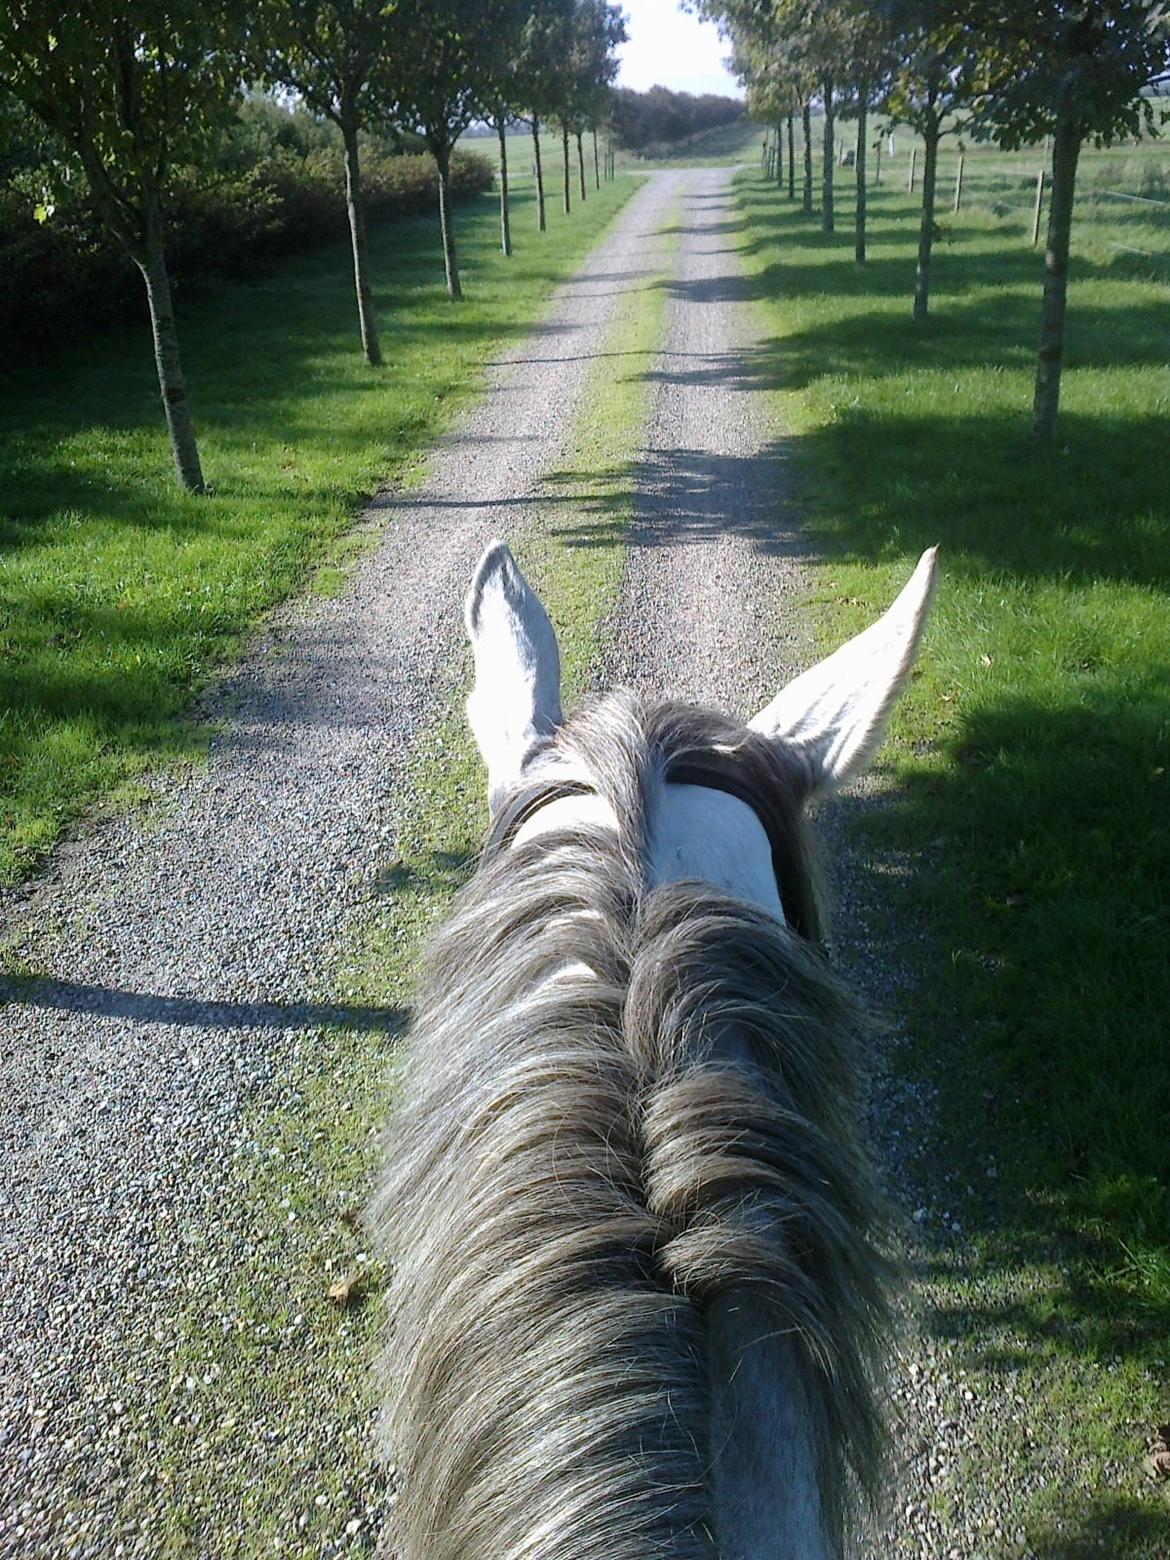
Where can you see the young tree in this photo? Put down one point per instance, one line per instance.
(514, 78)
(130, 88)
(1075, 70)
(334, 53)
(538, 80)
(446, 73)
(930, 85)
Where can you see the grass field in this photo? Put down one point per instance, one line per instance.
(1030, 767)
(1123, 206)
(119, 593)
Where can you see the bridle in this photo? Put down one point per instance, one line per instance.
(717, 769)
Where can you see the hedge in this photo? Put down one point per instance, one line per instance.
(65, 273)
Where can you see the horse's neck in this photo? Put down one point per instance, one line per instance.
(764, 1477)
(764, 1473)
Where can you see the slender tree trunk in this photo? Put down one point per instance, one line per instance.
(1066, 151)
(565, 158)
(355, 204)
(780, 154)
(151, 261)
(859, 170)
(827, 161)
(505, 227)
(806, 122)
(930, 135)
(596, 164)
(581, 164)
(791, 159)
(540, 222)
(442, 156)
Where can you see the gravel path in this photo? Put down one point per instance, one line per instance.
(175, 957)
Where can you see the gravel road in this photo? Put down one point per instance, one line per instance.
(175, 956)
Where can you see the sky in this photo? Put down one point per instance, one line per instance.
(671, 49)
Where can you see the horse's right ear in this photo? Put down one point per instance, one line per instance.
(835, 713)
(516, 699)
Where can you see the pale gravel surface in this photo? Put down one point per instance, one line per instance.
(184, 950)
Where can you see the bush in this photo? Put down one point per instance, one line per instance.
(278, 185)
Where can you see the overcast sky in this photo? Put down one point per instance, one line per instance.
(671, 49)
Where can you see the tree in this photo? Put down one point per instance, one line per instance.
(589, 65)
(335, 54)
(130, 88)
(930, 84)
(1075, 70)
(865, 63)
(538, 80)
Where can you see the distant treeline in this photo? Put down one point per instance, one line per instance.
(641, 119)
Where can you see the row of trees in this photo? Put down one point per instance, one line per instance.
(1069, 70)
(641, 119)
(130, 91)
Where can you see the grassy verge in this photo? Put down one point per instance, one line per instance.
(1030, 761)
(264, 1446)
(120, 594)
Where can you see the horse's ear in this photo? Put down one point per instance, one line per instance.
(517, 694)
(836, 712)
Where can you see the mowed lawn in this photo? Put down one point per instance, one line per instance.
(119, 594)
(1031, 760)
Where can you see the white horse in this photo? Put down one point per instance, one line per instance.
(637, 1301)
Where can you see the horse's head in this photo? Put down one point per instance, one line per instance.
(717, 819)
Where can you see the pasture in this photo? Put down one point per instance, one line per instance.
(122, 594)
(1027, 781)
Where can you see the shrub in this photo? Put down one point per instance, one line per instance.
(278, 185)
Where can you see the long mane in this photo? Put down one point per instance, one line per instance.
(576, 1167)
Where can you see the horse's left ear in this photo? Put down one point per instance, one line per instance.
(517, 695)
(836, 712)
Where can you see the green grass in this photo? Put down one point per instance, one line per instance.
(1030, 765)
(269, 1357)
(119, 594)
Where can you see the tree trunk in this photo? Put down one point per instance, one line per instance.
(791, 160)
(565, 158)
(596, 164)
(859, 170)
(806, 122)
(827, 161)
(930, 134)
(540, 222)
(1066, 151)
(152, 263)
(581, 164)
(442, 156)
(355, 204)
(505, 228)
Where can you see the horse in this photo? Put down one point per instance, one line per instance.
(638, 1302)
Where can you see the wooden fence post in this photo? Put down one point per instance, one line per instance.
(1039, 205)
(959, 183)
(877, 160)
(913, 165)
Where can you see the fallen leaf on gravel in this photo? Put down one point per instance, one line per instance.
(346, 1290)
(1158, 1462)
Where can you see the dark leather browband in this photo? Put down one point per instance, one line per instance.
(717, 772)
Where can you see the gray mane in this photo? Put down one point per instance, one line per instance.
(574, 1174)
